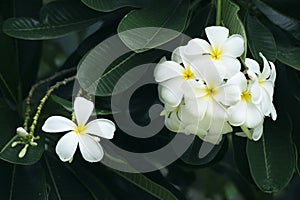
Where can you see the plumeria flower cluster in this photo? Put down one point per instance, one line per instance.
(205, 93)
(86, 134)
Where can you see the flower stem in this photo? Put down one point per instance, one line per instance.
(247, 132)
(33, 88)
(44, 99)
(218, 15)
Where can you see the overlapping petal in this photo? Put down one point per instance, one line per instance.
(102, 128)
(90, 149)
(83, 109)
(56, 124)
(66, 146)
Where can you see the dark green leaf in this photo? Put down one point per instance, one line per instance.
(260, 39)
(108, 5)
(288, 52)
(115, 62)
(197, 153)
(57, 19)
(69, 107)
(154, 25)
(279, 19)
(28, 182)
(232, 21)
(148, 185)
(33, 154)
(272, 159)
(240, 156)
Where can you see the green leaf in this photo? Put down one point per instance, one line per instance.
(148, 185)
(272, 158)
(154, 25)
(33, 154)
(28, 182)
(69, 106)
(232, 21)
(197, 155)
(279, 19)
(57, 19)
(260, 39)
(240, 156)
(108, 5)
(115, 62)
(288, 52)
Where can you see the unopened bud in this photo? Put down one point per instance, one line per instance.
(21, 132)
(33, 144)
(14, 144)
(23, 151)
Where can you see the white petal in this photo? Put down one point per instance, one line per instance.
(102, 128)
(266, 70)
(197, 107)
(237, 113)
(273, 73)
(176, 57)
(83, 109)
(210, 74)
(196, 47)
(170, 92)
(268, 88)
(228, 94)
(266, 105)
(215, 110)
(231, 65)
(216, 35)
(254, 116)
(56, 124)
(273, 113)
(167, 70)
(256, 93)
(239, 80)
(252, 65)
(257, 132)
(90, 149)
(172, 122)
(66, 146)
(233, 46)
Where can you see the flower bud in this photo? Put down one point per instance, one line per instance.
(21, 132)
(23, 151)
(14, 144)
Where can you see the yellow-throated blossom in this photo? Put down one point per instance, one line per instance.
(262, 85)
(222, 50)
(82, 133)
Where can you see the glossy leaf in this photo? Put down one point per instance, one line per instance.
(116, 60)
(272, 159)
(279, 19)
(69, 107)
(288, 52)
(108, 6)
(148, 185)
(33, 154)
(57, 19)
(260, 39)
(28, 182)
(197, 153)
(232, 21)
(154, 25)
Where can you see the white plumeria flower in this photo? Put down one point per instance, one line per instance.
(222, 50)
(207, 100)
(171, 75)
(82, 133)
(262, 87)
(245, 112)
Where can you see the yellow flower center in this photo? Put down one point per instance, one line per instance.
(210, 92)
(80, 129)
(260, 82)
(187, 74)
(215, 54)
(246, 96)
